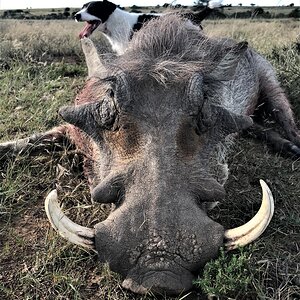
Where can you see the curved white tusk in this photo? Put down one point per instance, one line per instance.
(250, 231)
(71, 231)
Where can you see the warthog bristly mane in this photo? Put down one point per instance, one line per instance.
(173, 54)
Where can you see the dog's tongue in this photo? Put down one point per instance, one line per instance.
(86, 31)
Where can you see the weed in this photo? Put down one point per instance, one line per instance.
(228, 275)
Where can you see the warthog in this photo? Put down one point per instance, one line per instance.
(154, 126)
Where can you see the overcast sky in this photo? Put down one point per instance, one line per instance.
(14, 4)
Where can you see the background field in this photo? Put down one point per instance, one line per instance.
(226, 11)
(41, 69)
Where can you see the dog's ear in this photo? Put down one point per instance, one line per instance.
(94, 64)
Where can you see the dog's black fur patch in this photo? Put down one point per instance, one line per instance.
(142, 19)
(100, 9)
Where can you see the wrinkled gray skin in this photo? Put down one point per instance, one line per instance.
(154, 126)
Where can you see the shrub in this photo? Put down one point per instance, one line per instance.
(228, 275)
(295, 13)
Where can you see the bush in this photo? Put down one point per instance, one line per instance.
(135, 7)
(295, 13)
(136, 11)
(228, 275)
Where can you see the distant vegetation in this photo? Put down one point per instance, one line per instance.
(228, 11)
(39, 14)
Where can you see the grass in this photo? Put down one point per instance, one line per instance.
(263, 36)
(228, 275)
(42, 70)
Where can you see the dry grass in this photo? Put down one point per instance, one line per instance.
(41, 69)
(38, 40)
(261, 35)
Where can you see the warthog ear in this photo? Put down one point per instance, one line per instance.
(94, 64)
(91, 117)
(228, 121)
(227, 66)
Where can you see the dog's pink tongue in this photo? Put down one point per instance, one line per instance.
(86, 31)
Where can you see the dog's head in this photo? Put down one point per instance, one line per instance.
(94, 13)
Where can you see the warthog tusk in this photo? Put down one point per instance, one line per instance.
(250, 231)
(71, 231)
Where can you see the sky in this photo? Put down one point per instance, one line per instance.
(15, 4)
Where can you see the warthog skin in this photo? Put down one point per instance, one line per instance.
(154, 126)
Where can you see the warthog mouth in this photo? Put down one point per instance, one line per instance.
(160, 282)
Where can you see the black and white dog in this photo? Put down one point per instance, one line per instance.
(119, 25)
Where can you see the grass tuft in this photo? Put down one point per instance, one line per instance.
(228, 275)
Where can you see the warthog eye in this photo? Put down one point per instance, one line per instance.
(203, 125)
(111, 93)
(126, 139)
(205, 119)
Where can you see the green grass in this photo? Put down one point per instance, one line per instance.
(40, 72)
(228, 275)
(286, 60)
(33, 93)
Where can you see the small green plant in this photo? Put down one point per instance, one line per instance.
(227, 276)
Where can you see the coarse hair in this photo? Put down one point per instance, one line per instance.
(171, 48)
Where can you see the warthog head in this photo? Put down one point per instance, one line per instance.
(153, 132)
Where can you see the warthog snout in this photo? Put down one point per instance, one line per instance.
(158, 248)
